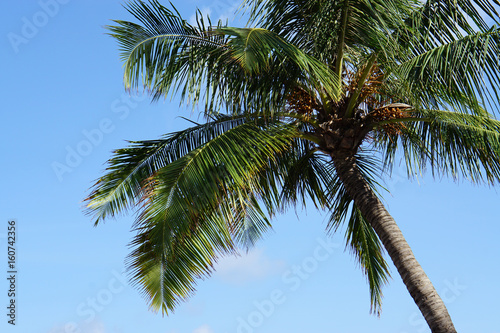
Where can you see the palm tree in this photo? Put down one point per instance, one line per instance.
(315, 104)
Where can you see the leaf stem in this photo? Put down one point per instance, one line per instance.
(400, 120)
(353, 100)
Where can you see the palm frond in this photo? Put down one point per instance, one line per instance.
(165, 53)
(253, 48)
(196, 206)
(318, 27)
(361, 239)
(365, 245)
(225, 67)
(121, 187)
(306, 175)
(450, 143)
(464, 67)
(171, 253)
(250, 221)
(436, 22)
(363, 242)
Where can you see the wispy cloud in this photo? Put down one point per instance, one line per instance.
(203, 329)
(95, 326)
(254, 265)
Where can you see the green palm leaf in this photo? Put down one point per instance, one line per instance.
(450, 143)
(361, 239)
(193, 208)
(302, 22)
(456, 69)
(365, 245)
(252, 48)
(122, 185)
(165, 53)
(221, 63)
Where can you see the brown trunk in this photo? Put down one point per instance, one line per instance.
(414, 277)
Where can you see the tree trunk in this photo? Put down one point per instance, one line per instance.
(414, 277)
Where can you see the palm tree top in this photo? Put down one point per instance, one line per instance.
(307, 100)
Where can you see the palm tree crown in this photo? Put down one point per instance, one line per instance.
(312, 101)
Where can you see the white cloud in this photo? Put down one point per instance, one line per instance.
(229, 12)
(95, 326)
(253, 265)
(203, 329)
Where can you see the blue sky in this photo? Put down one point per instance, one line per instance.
(64, 110)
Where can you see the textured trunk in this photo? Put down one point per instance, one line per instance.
(414, 277)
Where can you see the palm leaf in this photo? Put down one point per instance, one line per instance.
(361, 239)
(169, 255)
(365, 245)
(122, 185)
(253, 48)
(450, 143)
(166, 54)
(305, 175)
(462, 67)
(319, 28)
(194, 207)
